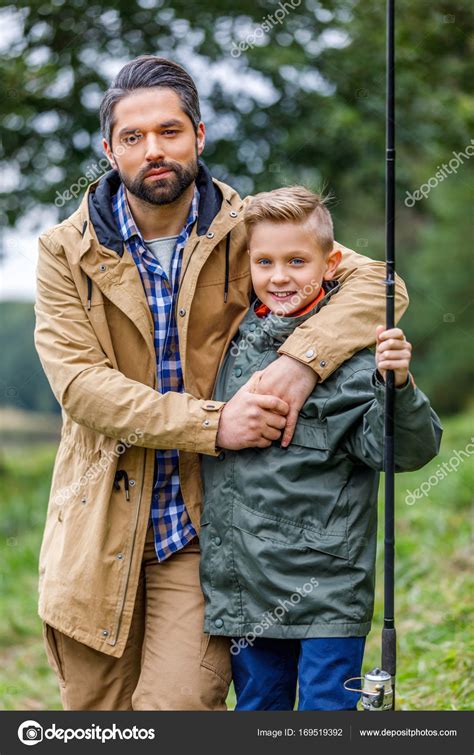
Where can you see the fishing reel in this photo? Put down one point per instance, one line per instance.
(376, 691)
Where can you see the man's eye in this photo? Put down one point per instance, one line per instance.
(132, 139)
(170, 131)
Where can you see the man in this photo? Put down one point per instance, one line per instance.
(140, 292)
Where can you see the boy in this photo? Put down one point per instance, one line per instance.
(288, 536)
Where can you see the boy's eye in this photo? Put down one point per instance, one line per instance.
(297, 261)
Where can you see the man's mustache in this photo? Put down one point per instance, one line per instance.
(156, 166)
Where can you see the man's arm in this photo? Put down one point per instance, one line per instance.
(88, 387)
(95, 394)
(347, 323)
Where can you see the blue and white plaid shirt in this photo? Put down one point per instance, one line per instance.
(171, 523)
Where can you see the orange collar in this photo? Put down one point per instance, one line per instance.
(262, 310)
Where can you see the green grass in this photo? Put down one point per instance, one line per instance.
(433, 592)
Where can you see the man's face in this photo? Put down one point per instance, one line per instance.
(154, 146)
(287, 266)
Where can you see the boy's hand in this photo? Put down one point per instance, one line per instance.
(393, 352)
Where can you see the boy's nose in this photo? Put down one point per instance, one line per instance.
(279, 277)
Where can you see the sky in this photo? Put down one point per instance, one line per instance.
(17, 271)
(18, 266)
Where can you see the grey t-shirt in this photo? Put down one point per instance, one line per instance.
(162, 249)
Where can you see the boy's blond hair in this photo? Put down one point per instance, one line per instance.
(292, 204)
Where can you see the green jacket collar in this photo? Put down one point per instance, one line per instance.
(278, 327)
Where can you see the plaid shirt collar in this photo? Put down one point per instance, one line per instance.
(129, 229)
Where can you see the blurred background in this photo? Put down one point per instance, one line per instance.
(291, 92)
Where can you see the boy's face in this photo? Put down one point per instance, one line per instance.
(287, 265)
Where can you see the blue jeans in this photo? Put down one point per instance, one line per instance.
(266, 674)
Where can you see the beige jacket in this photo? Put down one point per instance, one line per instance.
(94, 336)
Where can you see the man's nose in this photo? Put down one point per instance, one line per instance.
(154, 148)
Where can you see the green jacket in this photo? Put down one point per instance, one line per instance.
(288, 536)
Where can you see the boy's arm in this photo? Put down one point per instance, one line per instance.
(347, 323)
(417, 427)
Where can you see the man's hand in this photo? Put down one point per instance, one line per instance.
(291, 381)
(251, 419)
(393, 352)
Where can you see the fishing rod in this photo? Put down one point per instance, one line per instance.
(389, 637)
(378, 690)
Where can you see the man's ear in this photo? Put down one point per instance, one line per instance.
(109, 154)
(200, 138)
(332, 263)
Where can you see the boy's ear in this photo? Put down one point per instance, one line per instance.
(332, 263)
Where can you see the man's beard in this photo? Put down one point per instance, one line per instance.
(166, 190)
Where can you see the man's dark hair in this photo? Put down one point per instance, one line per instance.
(149, 71)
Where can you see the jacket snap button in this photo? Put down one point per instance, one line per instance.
(105, 632)
(210, 234)
(219, 623)
(233, 214)
(310, 353)
(83, 500)
(218, 541)
(182, 312)
(102, 268)
(131, 483)
(322, 363)
(237, 372)
(206, 423)
(221, 456)
(119, 556)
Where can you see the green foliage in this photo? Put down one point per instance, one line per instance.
(322, 68)
(434, 584)
(439, 320)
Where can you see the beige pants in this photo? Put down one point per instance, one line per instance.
(168, 663)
